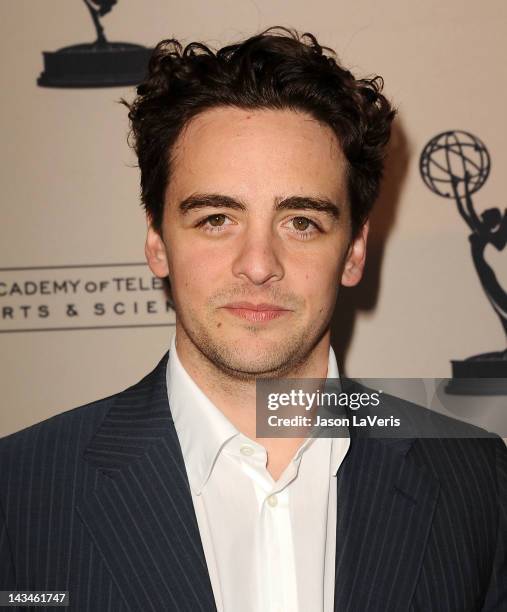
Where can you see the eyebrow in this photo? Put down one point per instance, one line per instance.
(205, 200)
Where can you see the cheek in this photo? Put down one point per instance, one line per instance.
(317, 283)
(193, 270)
(320, 267)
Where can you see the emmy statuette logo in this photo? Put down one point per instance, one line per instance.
(98, 64)
(455, 165)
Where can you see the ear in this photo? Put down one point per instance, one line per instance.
(356, 258)
(155, 252)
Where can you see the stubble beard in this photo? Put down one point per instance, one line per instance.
(283, 358)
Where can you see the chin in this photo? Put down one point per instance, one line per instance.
(251, 351)
(260, 360)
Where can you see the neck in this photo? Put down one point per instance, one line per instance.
(236, 397)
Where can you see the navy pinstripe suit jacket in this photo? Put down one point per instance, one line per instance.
(96, 501)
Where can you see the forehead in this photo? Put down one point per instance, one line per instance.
(252, 153)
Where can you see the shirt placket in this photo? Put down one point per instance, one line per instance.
(274, 557)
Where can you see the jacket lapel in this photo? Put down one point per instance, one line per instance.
(385, 510)
(137, 506)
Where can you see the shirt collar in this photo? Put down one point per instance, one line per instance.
(202, 428)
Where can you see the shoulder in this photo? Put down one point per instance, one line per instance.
(461, 456)
(61, 437)
(480, 460)
(452, 449)
(42, 465)
(45, 466)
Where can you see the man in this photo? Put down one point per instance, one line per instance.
(259, 166)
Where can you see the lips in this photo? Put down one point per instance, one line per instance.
(257, 313)
(250, 306)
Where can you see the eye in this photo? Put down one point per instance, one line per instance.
(214, 223)
(303, 226)
(216, 220)
(301, 223)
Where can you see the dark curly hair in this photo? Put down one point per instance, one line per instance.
(277, 69)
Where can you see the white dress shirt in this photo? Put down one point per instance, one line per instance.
(269, 546)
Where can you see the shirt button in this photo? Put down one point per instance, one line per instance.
(246, 450)
(272, 500)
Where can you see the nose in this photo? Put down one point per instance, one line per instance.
(258, 258)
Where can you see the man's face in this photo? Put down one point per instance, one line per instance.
(256, 238)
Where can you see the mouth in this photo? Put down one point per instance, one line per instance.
(258, 313)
